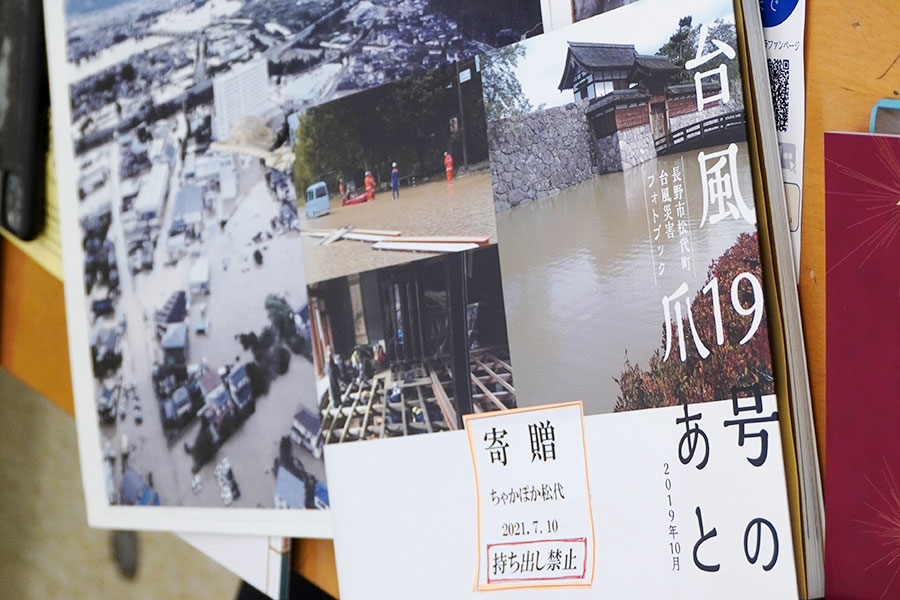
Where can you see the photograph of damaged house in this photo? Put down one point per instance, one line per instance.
(410, 349)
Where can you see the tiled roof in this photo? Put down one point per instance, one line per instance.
(592, 55)
(618, 97)
(655, 63)
(603, 56)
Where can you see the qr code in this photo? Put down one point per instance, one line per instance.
(779, 73)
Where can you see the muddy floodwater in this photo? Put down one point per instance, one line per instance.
(463, 207)
(579, 284)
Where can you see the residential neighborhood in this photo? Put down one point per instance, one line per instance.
(184, 116)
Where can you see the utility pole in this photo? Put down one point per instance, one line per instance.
(462, 118)
(458, 326)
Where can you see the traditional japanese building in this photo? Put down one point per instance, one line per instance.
(630, 89)
(594, 70)
(628, 109)
(634, 100)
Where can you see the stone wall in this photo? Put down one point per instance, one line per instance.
(624, 149)
(539, 154)
(636, 146)
(609, 156)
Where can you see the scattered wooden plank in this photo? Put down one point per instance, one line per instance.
(424, 247)
(384, 413)
(365, 420)
(500, 362)
(337, 411)
(338, 234)
(386, 232)
(352, 235)
(443, 401)
(418, 381)
(487, 377)
(350, 416)
(499, 405)
(326, 232)
(424, 408)
(324, 401)
(500, 395)
(366, 237)
(334, 416)
(326, 431)
(481, 240)
(494, 376)
(403, 410)
(347, 393)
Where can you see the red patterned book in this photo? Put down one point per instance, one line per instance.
(862, 485)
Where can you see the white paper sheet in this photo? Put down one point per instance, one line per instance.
(405, 514)
(263, 562)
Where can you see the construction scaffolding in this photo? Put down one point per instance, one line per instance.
(421, 402)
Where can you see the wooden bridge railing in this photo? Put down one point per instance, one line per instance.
(715, 130)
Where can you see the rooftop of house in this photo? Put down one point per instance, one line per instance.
(189, 200)
(290, 489)
(209, 382)
(307, 421)
(652, 63)
(175, 337)
(596, 55)
(590, 56)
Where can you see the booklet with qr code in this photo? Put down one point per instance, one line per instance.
(627, 268)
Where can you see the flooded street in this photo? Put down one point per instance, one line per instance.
(463, 207)
(579, 286)
(236, 304)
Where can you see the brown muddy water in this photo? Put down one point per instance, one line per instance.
(464, 207)
(579, 285)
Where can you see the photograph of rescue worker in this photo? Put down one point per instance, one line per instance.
(448, 165)
(395, 181)
(422, 138)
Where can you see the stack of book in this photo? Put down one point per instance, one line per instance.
(343, 269)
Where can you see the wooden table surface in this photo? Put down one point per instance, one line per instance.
(852, 53)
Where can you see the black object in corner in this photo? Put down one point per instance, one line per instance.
(23, 117)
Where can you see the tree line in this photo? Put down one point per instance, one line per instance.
(407, 122)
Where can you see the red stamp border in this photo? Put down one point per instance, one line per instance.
(583, 540)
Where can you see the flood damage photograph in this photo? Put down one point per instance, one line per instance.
(626, 221)
(395, 173)
(184, 118)
(409, 349)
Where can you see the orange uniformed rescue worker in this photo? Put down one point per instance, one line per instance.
(342, 188)
(448, 164)
(370, 186)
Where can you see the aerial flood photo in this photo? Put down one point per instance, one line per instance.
(185, 121)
